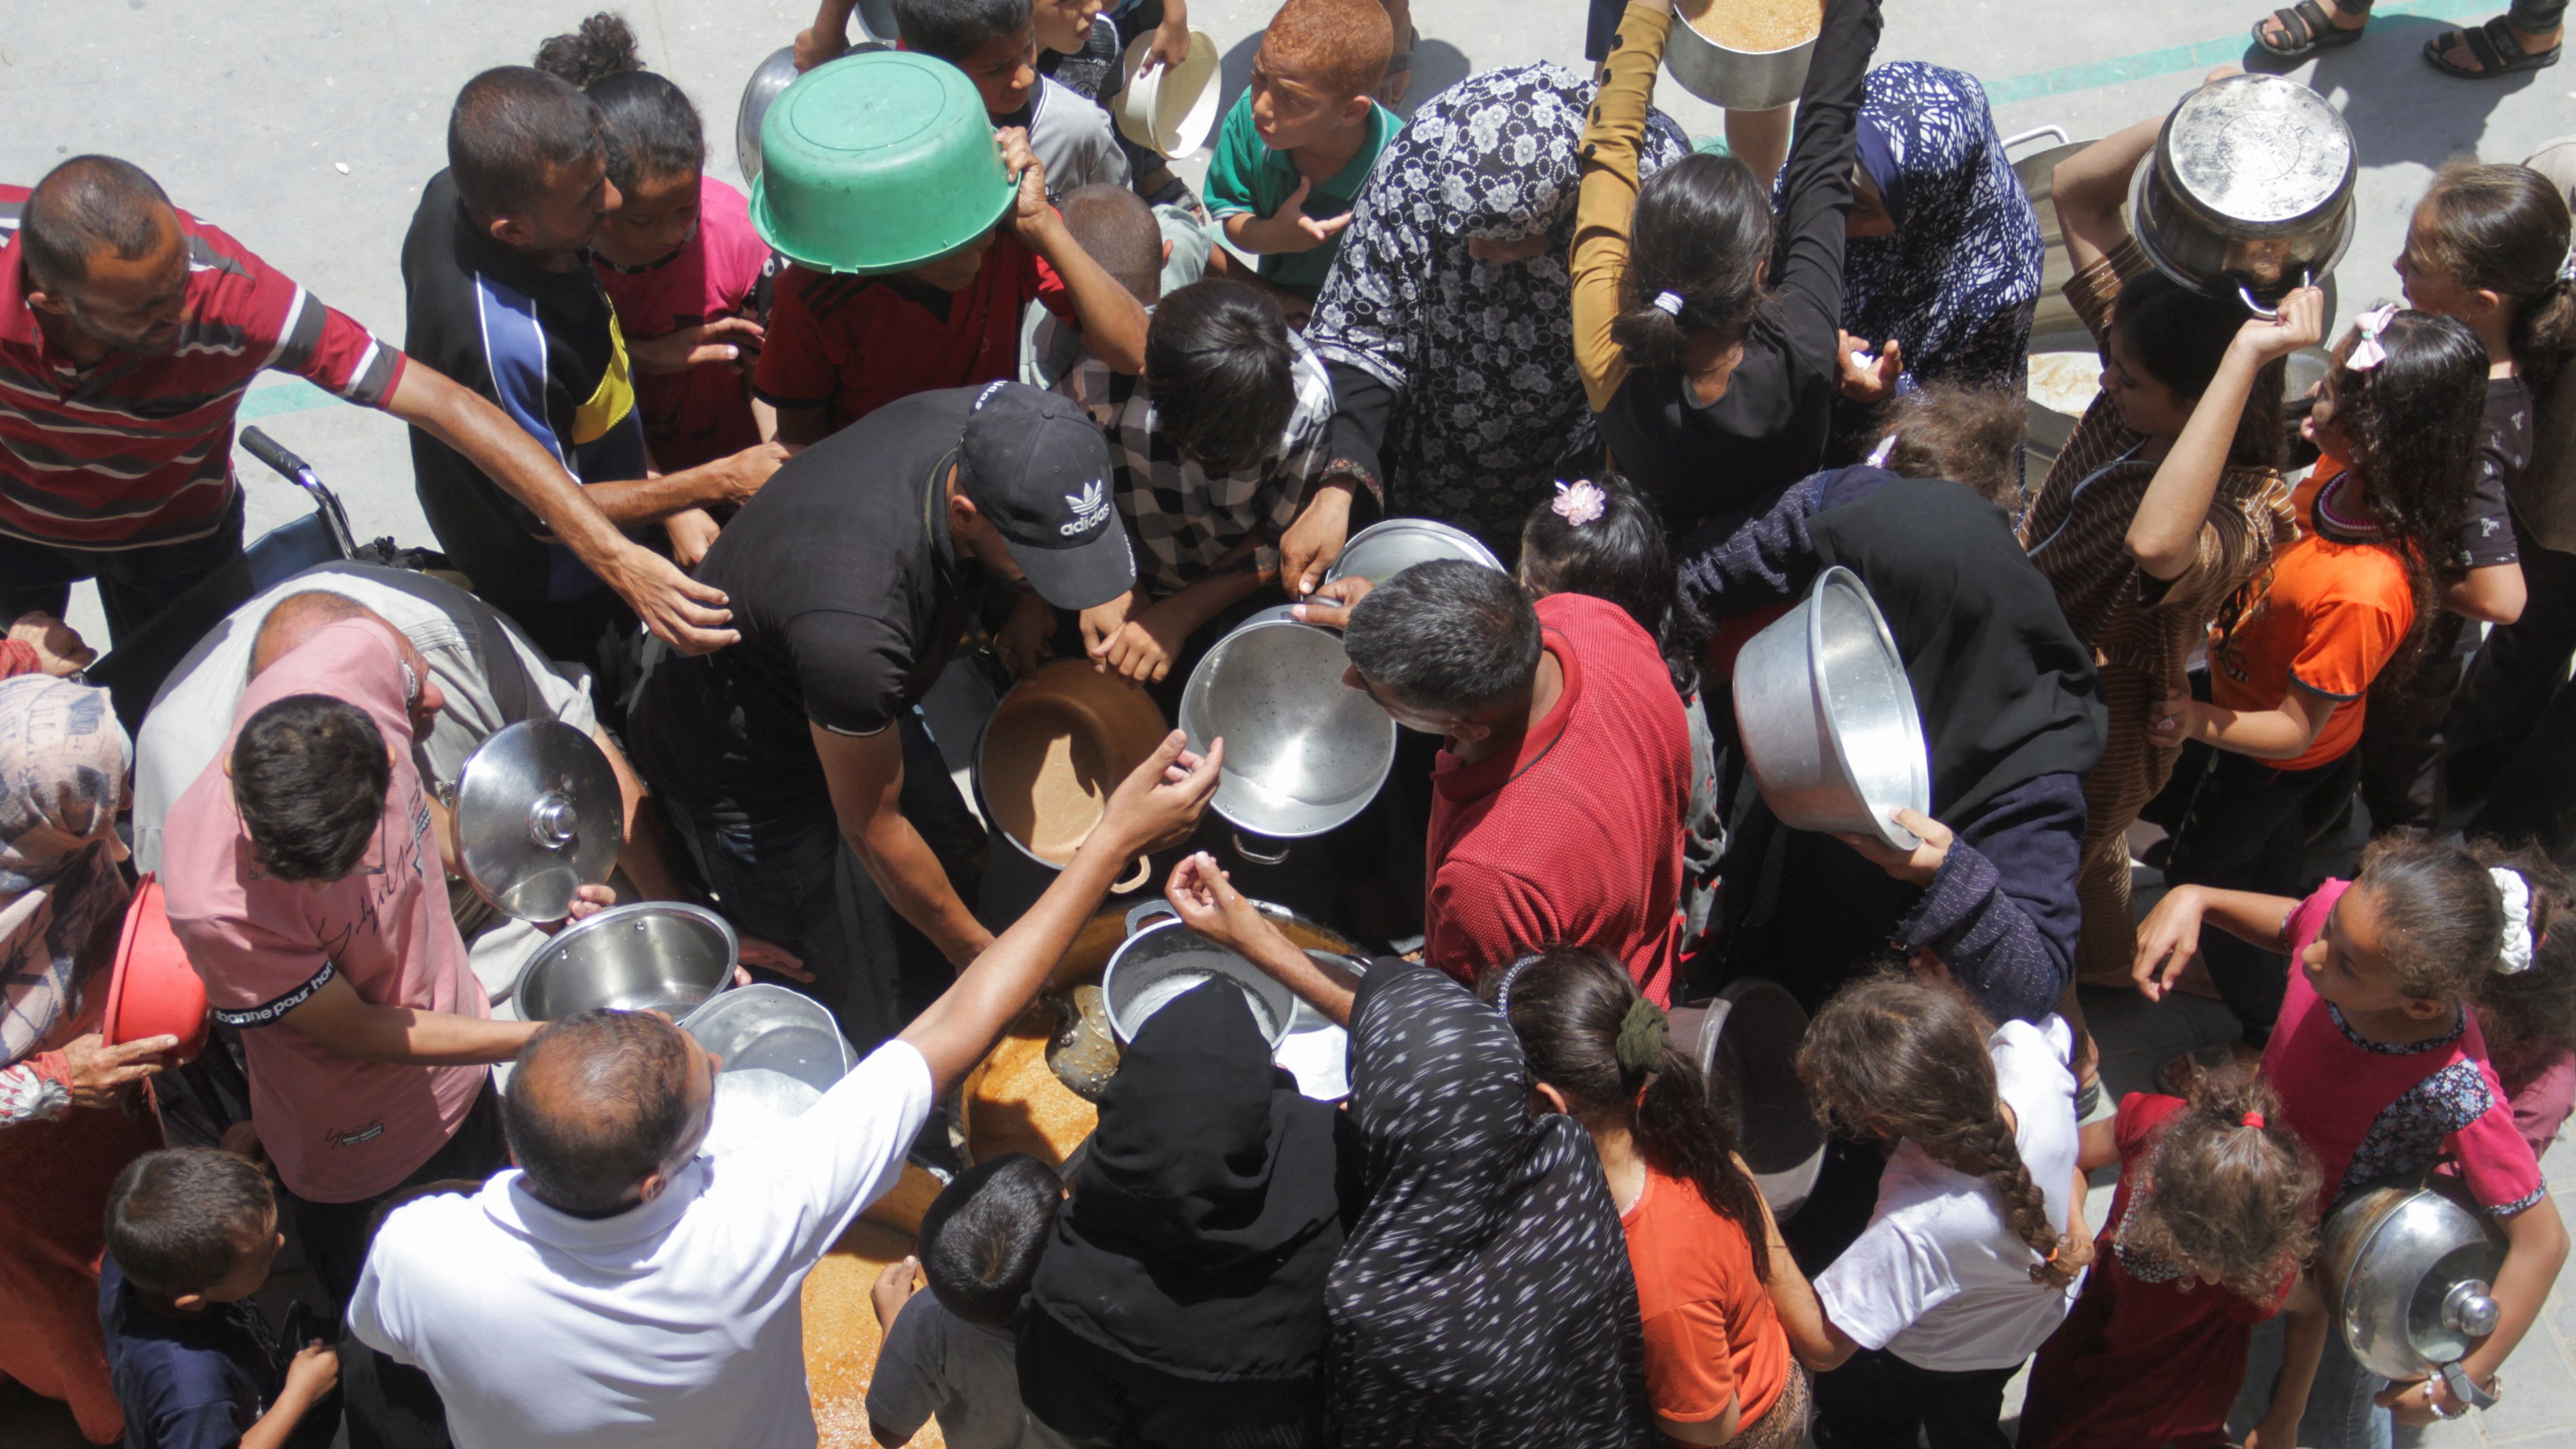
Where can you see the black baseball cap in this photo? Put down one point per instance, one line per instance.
(1036, 467)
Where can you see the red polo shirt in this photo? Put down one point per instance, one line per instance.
(136, 450)
(1573, 836)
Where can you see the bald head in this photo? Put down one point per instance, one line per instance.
(299, 617)
(92, 206)
(599, 1103)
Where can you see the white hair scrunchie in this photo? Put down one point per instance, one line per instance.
(1670, 304)
(2514, 957)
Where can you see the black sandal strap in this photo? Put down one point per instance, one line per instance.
(2482, 43)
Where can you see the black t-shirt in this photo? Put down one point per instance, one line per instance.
(541, 344)
(850, 599)
(1093, 72)
(2504, 450)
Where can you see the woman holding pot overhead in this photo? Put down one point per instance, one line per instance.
(1445, 321)
(1181, 1301)
(1714, 374)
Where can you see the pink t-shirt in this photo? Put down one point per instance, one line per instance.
(339, 1130)
(722, 270)
(2375, 1112)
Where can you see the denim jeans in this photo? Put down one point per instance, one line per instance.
(2340, 1414)
(796, 882)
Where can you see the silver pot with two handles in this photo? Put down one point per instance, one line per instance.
(2249, 192)
(2408, 1273)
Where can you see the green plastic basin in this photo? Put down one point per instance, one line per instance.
(877, 163)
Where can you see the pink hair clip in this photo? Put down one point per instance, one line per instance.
(2368, 353)
(1580, 503)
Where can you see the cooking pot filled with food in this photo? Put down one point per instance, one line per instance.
(2249, 192)
(1743, 55)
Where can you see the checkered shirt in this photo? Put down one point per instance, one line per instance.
(1183, 520)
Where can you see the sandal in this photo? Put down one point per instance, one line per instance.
(2498, 52)
(2308, 29)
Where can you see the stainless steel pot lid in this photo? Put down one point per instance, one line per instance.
(2258, 151)
(538, 814)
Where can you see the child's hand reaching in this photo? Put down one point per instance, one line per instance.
(2167, 940)
(315, 1370)
(1290, 229)
(895, 1285)
(1918, 865)
(1868, 379)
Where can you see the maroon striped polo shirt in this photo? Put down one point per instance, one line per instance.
(137, 450)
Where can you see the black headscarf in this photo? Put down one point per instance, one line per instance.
(1205, 1213)
(2005, 691)
(1485, 1297)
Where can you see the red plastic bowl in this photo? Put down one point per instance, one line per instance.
(152, 990)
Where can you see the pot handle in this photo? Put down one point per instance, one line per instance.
(2245, 294)
(1256, 857)
(1144, 873)
(1143, 911)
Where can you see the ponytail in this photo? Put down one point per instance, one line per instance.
(1698, 251)
(653, 132)
(2533, 1008)
(604, 46)
(1588, 1033)
(1892, 1057)
(2505, 229)
(2228, 1191)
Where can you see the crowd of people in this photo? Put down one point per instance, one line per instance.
(731, 516)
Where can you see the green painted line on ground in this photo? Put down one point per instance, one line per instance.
(297, 395)
(2199, 55)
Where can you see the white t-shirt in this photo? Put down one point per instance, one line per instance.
(1939, 1278)
(675, 1324)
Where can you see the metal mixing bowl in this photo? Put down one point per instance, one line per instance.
(1303, 751)
(770, 1028)
(1386, 548)
(653, 955)
(1166, 960)
(1828, 719)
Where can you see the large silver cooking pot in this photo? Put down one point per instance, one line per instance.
(1304, 752)
(2408, 1274)
(1736, 80)
(2249, 191)
(650, 956)
(1745, 1040)
(1827, 716)
(1165, 960)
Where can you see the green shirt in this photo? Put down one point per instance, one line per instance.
(1245, 175)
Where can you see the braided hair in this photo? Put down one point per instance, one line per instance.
(1893, 1057)
(1588, 1032)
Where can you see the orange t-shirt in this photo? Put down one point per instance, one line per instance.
(2330, 617)
(1710, 1327)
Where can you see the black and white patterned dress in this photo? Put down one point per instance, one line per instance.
(1479, 354)
(1485, 1298)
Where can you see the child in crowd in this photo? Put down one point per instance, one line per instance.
(2529, 1017)
(680, 262)
(1300, 143)
(2289, 681)
(1718, 1366)
(2213, 1221)
(2476, 250)
(950, 1355)
(191, 1233)
(1604, 539)
(996, 43)
(840, 347)
(1119, 231)
(1217, 450)
(1967, 434)
(2382, 1071)
(1976, 1247)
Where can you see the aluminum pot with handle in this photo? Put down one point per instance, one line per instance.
(1745, 1040)
(1827, 716)
(1054, 749)
(2409, 1274)
(1304, 752)
(2249, 192)
(1303, 1041)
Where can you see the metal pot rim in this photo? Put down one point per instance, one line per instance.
(1194, 704)
(2343, 224)
(563, 940)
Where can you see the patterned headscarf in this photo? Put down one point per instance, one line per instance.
(62, 769)
(1485, 1297)
(1481, 355)
(1966, 246)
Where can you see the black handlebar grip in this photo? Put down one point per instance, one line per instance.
(267, 449)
